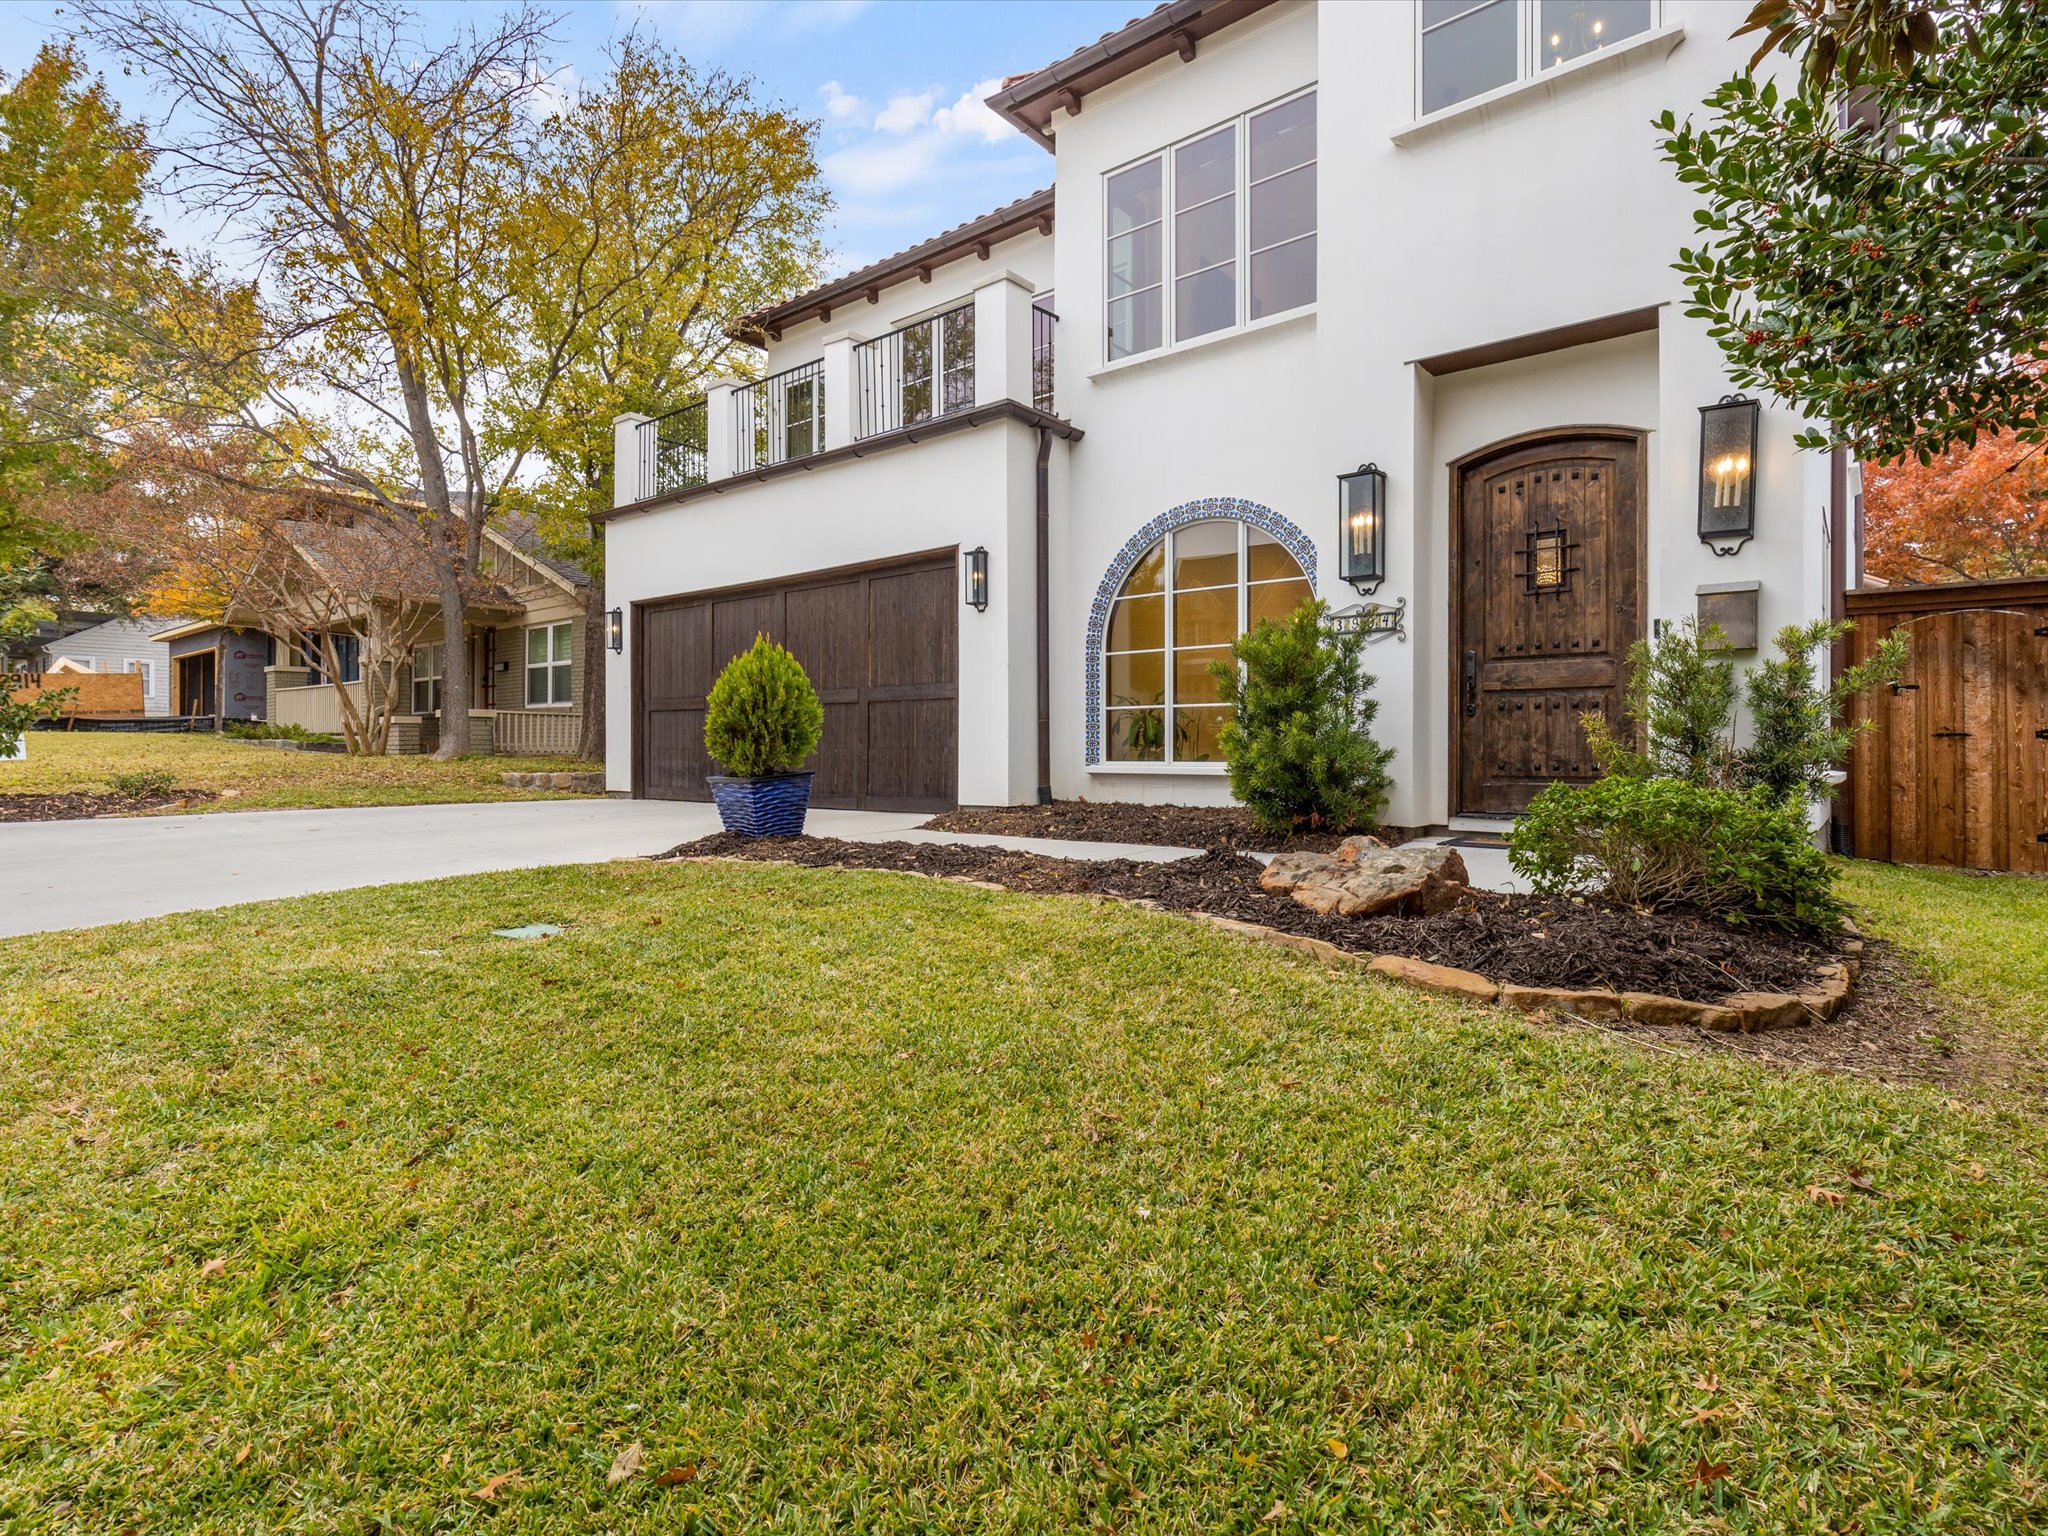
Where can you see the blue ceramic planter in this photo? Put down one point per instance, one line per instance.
(772, 806)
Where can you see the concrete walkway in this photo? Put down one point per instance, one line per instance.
(78, 874)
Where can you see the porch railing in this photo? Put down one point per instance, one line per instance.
(915, 373)
(779, 417)
(673, 454)
(1043, 322)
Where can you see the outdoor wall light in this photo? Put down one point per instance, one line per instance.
(976, 576)
(615, 629)
(1728, 473)
(1362, 528)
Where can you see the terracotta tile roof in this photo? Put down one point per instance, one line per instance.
(1006, 222)
(1176, 27)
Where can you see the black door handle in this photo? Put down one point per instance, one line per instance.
(1471, 684)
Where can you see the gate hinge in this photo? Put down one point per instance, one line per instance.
(2041, 735)
(2041, 633)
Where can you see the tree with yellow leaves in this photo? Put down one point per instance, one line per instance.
(442, 255)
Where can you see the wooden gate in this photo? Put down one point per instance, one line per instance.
(1954, 769)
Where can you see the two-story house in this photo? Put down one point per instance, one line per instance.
(1368, 301)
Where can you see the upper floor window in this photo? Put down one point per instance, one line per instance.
(1214, 232)
(1469, 47)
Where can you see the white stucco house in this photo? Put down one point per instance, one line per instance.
(1282, 242)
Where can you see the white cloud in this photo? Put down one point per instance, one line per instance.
(711, 24)
(839, 106)
(970, 114)
(905, 112)
(868, 170)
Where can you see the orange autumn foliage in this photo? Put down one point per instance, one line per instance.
(1972, 514)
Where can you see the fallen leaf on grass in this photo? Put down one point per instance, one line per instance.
(1820, 1196)
(1339, 1449)
(495, 1485)
(1278, 1512)
(624, 1465)
(211, 1268)
(1548, 1481)
(675, 1475)
(1706, 1473)
(242, 1455)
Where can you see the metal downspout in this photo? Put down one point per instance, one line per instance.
(1044, 585)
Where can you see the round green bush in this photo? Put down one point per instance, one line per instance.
(1672, 845)
(763, 715)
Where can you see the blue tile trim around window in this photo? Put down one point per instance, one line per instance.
(1265, 519)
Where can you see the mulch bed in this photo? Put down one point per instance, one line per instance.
(77, 805)
(1116, 821)
(1526, 940)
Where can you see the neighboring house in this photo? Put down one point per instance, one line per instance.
(1284, 243)
(522, 642)
(219, 670)
(116, 645)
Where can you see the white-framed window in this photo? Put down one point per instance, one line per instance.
(148, 671)
(1212, 233)
(427, 661)
(547, 665)
(1465, 48)
(1185, 601)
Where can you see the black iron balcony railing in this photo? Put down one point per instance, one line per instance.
(915, 373)
(673, 450)
(1042, 323)
(779, 417)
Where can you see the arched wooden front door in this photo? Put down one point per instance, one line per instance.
(1954, 769)
(1547, 596)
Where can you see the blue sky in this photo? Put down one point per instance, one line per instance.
(897, 84)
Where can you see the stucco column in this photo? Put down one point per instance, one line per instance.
(841, 388)
(1002, 340)
(720, 459)
(631, 474)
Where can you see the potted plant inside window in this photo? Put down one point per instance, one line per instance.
(761, 721)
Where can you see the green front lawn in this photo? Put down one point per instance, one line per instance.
(248, 777)
(860, 1202)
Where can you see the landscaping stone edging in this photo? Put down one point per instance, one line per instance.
(1746, 1013)
(589, 782)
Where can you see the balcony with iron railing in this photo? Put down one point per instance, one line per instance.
(990, 355)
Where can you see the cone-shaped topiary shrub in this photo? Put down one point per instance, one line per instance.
(1299, 739)
(763, 715)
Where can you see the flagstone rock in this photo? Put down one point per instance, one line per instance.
(1364, 877)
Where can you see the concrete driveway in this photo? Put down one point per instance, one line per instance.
(78, 874)
(74, 874)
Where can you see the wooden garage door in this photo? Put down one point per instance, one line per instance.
(880, 644)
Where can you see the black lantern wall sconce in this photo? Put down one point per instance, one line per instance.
(975, 575)
(1362, 528)
(615, 629)
(1728, 433)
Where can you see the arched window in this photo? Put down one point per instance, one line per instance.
(1184, 601)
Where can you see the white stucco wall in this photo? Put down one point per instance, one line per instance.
(959, 490)
(1548, 207)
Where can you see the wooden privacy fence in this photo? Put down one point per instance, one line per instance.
(1954, 769)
